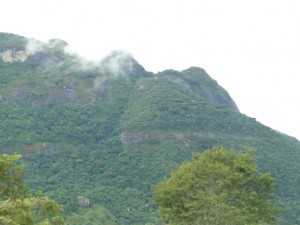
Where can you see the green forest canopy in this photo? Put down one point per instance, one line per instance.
(217, 187)
(18, 206)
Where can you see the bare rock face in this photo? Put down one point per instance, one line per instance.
(13, 55)
(83, 201)
(200, 82)
(27, 151)
(179, 81)
(148, 137)
(48, 148)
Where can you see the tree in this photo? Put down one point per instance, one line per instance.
(11, 184)
(18, 206)
(217, 187)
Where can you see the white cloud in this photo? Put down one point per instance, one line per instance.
(34, 46)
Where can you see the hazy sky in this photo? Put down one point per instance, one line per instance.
(251, 47)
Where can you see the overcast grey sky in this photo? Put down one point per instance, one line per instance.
(251, 47)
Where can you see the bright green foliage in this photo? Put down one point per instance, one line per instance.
(11, 184)
(17, 206)
(217, 187)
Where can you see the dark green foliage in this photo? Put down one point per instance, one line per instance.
(111, 131)
(96, 215)
(8, 41)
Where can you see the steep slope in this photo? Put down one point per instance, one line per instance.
(109, 131)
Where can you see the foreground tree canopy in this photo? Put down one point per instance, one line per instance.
(17, 204)
(217, 187)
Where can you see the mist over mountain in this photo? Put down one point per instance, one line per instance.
(109, 131)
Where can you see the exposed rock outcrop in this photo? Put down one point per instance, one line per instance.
(13, 55)
(148, 137)
(83, 201)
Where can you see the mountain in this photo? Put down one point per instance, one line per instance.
(98, 136)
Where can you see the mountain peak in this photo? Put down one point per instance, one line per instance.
(122, 62)
(199, 82)
(12, 47)
(12, 41)
(203, 84)
(18, 48)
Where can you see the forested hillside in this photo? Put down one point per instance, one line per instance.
(109, 131)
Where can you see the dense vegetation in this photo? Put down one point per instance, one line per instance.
(13, 41)
(110, 131)
(217, 187)
(18, 206)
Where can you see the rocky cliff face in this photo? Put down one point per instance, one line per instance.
(13, 55)
(203, 84)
